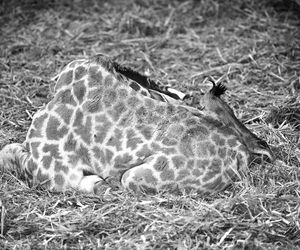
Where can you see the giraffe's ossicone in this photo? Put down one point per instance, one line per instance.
(106, 121)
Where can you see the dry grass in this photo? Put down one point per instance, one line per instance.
(253, 46)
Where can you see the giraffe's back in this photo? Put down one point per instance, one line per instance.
(97, 125)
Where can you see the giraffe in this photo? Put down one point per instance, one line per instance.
(108, 122)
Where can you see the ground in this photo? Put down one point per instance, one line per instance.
(252, 45)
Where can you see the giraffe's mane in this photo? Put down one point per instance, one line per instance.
(141, 79)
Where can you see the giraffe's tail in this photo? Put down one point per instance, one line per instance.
(13, 158)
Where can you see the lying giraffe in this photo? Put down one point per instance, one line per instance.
(108, 122)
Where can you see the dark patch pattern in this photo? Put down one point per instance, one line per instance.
(202, 164)
(202, 148)
(153, 119)
(84, 130)
(35, 133)
(93, 105)
(192, 121)
(66, 97)
(70, 144)
(80, 72)
(242, 148)
(65, 113)
(232, 142)
(212, 149)
(227, 131)
(78, 118)
(161, 163)
(216, 138)
(185, 146)
(133, 187)
(178, 161)
(175, 131)
(144, 152)
(59, 167)
(146, 131)
(149, 177)
(161, 110)
(82, 153)
(116, 139)
(53, 150)
(167, 175)
(149, 103)
(54, 130)
(169, 142)
(175, 119)
(34, 149)
(170, 110)
(79, 90)
(133, 102)
(141, 115)
(96, 94)
(196, 172)
(47, 160)
(65, 79)
(97, 152)
(108, 155)
(94, 77)
(117, 110)
(38, 121)
(198, 132)
(122, 93)
(108, 81)
(126, 119)
(102, 128)
(182, 174)
(213, 170)
(132, 139)
(190, 164)
(183, 113)
(109, 97)
(122, 161)
(222, 152)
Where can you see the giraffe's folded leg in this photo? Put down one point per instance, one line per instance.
(149, 177)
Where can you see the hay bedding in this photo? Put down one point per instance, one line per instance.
(252, 46)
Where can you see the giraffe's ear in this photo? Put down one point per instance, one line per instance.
(217, 90)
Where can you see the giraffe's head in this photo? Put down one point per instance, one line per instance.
(220, 110)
